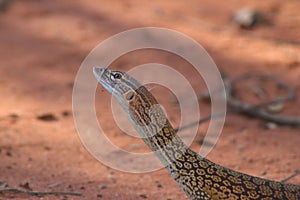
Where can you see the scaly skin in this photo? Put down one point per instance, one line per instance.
(198, 177)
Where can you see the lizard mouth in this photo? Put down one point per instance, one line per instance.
(102, 75)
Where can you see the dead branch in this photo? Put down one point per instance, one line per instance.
(38, 193)
(291, 176)
(257, 110)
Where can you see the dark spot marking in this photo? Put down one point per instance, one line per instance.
(129, 95)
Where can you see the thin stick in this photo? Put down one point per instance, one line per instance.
(257, 110)
(39, 192)
(291, 176)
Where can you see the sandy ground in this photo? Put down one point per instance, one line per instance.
(42, 44)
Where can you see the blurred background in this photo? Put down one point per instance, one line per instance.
(42, 44)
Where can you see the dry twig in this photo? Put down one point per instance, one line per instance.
(291, 176)
(257, 110)
(38, 193)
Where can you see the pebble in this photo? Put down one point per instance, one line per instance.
(275, 108)
(66, 113)
(47, 117)
(246, 18)
(270, 125)
(240, 147)
(103, 186)
(4, 5)
(14, 117)
(25, 185)
(263, 173)
(8, 153)
(3, 184)
(143, 196)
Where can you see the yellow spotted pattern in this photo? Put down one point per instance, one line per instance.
(198, 177)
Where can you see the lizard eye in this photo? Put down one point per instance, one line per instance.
(116, 76)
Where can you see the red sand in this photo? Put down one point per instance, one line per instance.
(42, 46)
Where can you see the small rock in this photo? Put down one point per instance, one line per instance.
(240, 147)
(264, 173)
(275, 107)
(246, 18)
(47, 117)
(13, 118)
(112, 178)
(25, 185)
(103, 186)
(47, 148)
(270, 126)
(99, 195)
(143, 196)
(3, 184)
(90, 182)
(66, 113)
(233, 141)
(4, 5)
(8, 153)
